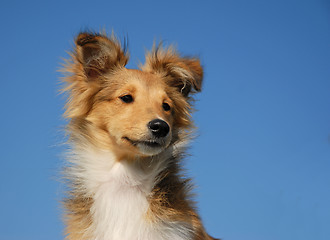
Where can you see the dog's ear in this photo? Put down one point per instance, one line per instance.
(99, 54)
(183, 73)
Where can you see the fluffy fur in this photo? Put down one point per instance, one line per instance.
(123, 170)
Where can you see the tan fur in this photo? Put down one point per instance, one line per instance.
(96, 79)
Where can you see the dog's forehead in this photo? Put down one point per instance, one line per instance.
(147, 77)
(143, 79)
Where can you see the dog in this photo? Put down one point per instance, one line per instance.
(127, 133)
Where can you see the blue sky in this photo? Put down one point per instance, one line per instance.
(262, 158)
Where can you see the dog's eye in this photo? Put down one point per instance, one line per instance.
(127, 98)
(166, 107)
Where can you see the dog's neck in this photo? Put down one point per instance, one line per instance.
(120, 200)
(120, 191)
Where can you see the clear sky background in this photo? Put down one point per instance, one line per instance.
(262, 158)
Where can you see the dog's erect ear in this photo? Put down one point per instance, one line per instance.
(99, 54)
(184, 73)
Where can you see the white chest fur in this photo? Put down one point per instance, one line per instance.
(120, 206)
(120, 191)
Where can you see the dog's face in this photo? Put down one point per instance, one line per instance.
(136, 111)
(139, 111)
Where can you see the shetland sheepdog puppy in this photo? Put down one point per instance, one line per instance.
(127, 132)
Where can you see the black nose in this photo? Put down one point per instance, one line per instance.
(159, 128)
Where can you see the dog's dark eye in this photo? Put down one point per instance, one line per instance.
(166, 107)
(127, 98)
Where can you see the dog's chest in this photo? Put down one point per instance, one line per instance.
(120, 210)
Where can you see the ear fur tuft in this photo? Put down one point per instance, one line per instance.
(99, 54)
(185, 73)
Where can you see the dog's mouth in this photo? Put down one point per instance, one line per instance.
(148, 147)
(148, 143)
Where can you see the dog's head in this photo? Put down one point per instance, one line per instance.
(136, 112)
